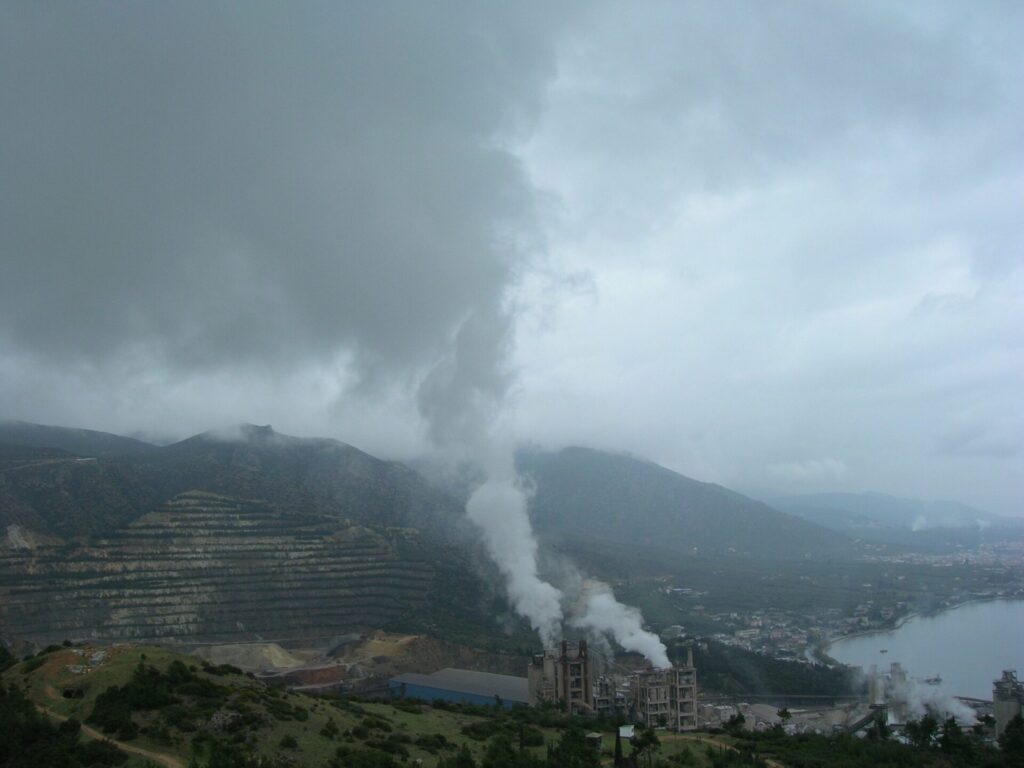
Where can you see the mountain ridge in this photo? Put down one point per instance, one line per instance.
(623, 497)
(81, 442)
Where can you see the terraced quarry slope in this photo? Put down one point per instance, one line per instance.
(209, 568)
(227, 538)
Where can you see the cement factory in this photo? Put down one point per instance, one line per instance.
(576, 681)
(571, 679)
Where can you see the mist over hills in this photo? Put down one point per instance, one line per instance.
(938, 525)
(91, 489)
(83, 442)
(590, 494)
(247, 533)
(851, 510)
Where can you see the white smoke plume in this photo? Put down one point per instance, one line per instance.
(604, 614)
(462, 401)
(920, 699)
(498, 507)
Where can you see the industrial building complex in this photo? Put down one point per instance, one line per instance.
(562, 676)
(576, 680)
(569, 678)
(1007, 699)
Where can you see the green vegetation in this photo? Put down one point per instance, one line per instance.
(30, 740)
(932, 744)
(732, 670)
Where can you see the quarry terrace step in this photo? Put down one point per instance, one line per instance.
(215, 569)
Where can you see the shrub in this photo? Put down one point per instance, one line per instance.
(288, 742)
(378, 723)
(330, 730)
(32, 664)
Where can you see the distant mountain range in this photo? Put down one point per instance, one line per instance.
(857, 511)
(250, 534)
(911, 523)
(82, 442)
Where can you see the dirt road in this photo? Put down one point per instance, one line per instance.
(157, 757)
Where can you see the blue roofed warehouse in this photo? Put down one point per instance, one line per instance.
(462, 685)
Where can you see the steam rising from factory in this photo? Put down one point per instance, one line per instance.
(498, 507)
(461, 401)
(604, 614)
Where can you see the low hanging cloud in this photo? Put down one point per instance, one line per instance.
(810, 471)
(721, 236)
(197, 188)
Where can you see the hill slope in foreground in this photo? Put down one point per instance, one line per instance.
(163, 709)
(171, 708)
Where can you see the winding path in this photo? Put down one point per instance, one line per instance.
(157, 757)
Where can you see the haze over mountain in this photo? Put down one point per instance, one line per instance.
(84, 442)
(851, 511)
(584, 494)
(247, 533)
(909, 524)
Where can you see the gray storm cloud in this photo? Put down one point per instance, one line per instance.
(208, 186)
(797, 266)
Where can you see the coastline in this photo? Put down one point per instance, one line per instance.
(820, 650)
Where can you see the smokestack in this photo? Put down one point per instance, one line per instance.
(689, 656)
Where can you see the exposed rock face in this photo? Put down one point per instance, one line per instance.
(204, 567)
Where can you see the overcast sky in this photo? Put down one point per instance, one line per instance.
(777, 246)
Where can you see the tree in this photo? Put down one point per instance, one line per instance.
(1012, 743)
(645, 743)
(953, 741)
(502, 754)
(922, 732)
(462, 760)
(735, 723)
(618, 749)
(573, 751)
